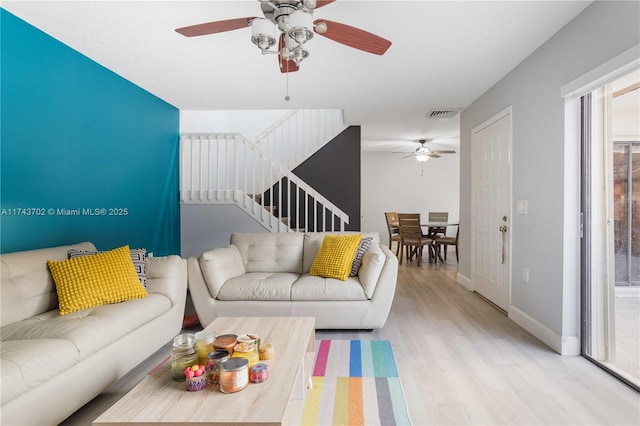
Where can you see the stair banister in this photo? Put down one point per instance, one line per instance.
(228, 154)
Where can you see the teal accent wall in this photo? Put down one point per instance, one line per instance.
(85, 155)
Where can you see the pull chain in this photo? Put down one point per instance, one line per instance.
(287, 98)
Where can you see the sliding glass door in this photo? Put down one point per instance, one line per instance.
(626, 204)
(611, 227)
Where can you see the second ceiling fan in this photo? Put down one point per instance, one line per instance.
(422, 153)
(294, 20)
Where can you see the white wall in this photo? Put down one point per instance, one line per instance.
(601, 32)
(207, 226)
(252, 122)
(391, 183)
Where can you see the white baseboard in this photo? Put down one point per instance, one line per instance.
(464, 282)
(564, 345)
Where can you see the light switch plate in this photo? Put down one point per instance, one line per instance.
(522, 206)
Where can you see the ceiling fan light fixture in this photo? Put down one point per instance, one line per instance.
(263, 34)
(292, 51)
(309, 4)
(422, 157)
(321, 27)
(292, 20)
(299, 54)
(300, 26)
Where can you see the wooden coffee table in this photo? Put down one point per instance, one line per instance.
(158, 399)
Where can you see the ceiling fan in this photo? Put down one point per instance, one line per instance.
(294, 19)
(422, 153)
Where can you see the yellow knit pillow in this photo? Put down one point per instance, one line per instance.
(335, 257)
(95, 280)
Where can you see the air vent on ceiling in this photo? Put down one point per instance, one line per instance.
(443, 112)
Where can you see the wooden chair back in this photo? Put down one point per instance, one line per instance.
(392, 221)
(393, 229)
(413, 240)
(437, 231)
(410, 230)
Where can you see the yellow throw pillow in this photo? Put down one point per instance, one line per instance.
(95, 280)
(335, 257)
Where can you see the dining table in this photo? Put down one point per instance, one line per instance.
(438, 224)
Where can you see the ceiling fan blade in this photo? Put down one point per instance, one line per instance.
(215, 27)
(408, 156)
(443, 151)
(432, 155)
(285, 65)
(321, 3)
(352, 36)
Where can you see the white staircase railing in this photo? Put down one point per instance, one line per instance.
(229, 169)
(299, 134)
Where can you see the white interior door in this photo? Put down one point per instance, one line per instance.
(491, 185)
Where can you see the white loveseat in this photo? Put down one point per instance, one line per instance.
(53, 364)
(267, 274)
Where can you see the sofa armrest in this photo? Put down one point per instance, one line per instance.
(384, 292)
(372, 263)
(219, 265)
(207, 274)
(168, 275)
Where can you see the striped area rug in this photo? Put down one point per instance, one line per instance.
(355, 382)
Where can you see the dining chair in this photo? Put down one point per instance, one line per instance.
(412, 239)
(438, 231)
(446, 242)
(394, 232)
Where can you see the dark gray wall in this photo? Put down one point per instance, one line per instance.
(334, 171)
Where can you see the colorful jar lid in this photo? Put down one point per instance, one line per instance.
(259, 373)
(259, 367)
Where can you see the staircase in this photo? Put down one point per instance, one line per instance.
(297, 135)
(229, 169)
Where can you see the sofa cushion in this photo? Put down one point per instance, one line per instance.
(91, 329)
(313, 242)
(270, 252)
(259, 286)
(138, 257)
(89, 281)
(369, 273)
(219, 265)
(365, 243)
(312, 288)
(335, 258)
(28, 363)
(27, 286)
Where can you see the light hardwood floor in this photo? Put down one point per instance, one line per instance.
(462, 362)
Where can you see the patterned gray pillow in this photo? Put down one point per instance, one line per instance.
(365, 243)
(137, 256)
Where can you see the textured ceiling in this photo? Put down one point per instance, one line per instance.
(444, 54)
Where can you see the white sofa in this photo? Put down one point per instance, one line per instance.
(267, 274)
(53, 364)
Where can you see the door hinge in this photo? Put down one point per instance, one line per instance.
(581, 225)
